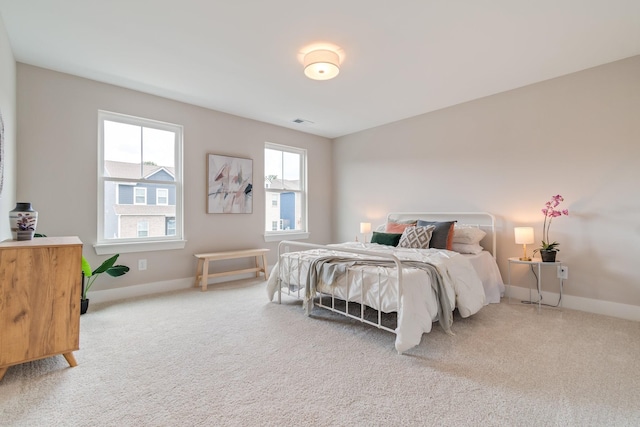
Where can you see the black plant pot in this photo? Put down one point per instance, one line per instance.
(84, 305)
(548, 256)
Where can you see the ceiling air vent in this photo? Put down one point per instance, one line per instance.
(302, 121)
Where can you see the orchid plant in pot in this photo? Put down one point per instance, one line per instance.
(549, 249)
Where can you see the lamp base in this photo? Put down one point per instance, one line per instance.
(525, 258)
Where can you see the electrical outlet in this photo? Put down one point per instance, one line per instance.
(563, 272)
(142, 264)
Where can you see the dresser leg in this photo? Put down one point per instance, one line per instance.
(3, 371)
(70, 359)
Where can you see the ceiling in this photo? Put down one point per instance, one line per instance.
(401, 58)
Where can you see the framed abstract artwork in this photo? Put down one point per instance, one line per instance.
(230, 184)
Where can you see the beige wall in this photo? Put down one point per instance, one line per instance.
(578, 136)
(507, 154)
(8, 110)
(57, 161)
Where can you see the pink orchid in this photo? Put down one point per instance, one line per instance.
(551, 212)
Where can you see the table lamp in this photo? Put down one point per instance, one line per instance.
(524, 236)
(365, 227)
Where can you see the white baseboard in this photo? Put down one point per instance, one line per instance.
(607, 308)
(139, 290)
(144, 289)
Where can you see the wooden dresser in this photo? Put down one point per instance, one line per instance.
(40, 284)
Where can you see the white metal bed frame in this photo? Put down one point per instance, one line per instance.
(483, 220)
(311, 303)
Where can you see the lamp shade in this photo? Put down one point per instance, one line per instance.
(321, 64)
(365, 227)
(524, 235)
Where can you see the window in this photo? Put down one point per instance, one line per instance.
(140, 196)
(140, 205)
(286, 192)
(162, 196)
(171, 226)
(143, 228)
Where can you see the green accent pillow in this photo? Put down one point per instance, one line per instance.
(389, 239)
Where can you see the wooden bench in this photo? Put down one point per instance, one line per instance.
(202, 272)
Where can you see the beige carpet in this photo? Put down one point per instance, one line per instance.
(230, 357)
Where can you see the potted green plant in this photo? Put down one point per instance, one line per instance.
(89, 276)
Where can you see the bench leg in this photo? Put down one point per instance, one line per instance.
(198, 272)
(205, 275)
(264, 265)
(257, 266)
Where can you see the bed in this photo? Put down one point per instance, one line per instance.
(420, 284)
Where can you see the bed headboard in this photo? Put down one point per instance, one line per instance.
(484, 220)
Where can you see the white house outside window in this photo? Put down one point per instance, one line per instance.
(143, 228)
(171, 226)
(141, 185)
(286, 192)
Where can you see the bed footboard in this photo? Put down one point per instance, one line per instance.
(294, 283)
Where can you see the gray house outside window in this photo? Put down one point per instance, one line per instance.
(158, 212)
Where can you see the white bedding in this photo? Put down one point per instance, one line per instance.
(464, 288)
(485, 265)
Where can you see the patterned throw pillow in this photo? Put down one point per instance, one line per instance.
(416, 237)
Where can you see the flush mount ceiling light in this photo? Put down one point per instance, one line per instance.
(321, 64)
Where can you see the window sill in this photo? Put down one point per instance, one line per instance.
(277, 237)
(122, 248)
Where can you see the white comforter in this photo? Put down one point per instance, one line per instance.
(419, 306)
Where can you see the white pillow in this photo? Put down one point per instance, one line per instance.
(466, 248)
(467, 234)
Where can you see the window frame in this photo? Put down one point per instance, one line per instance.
(135, 196)
(303, 232)
(167, 220)
(145, 229)
(165, 192)
(105, 246)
